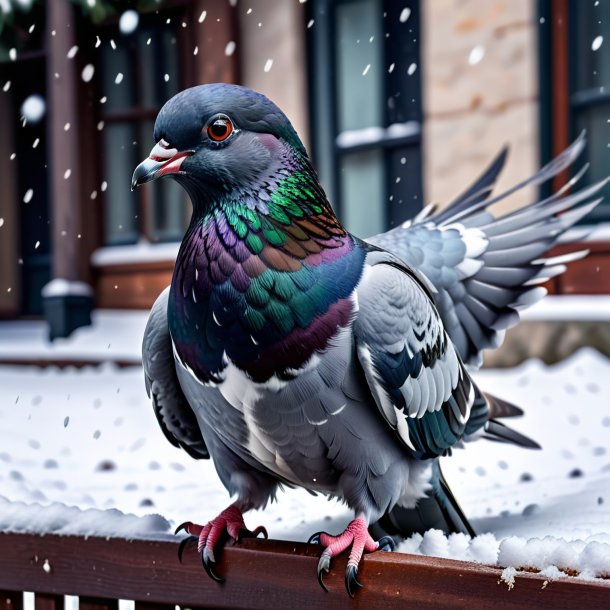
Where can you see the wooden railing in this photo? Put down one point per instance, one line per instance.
(259, 574)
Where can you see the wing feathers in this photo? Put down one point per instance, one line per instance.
(496, 260)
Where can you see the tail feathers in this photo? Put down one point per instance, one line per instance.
(496, 431)
(501, 408)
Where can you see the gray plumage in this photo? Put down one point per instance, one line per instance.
(485, 269)
(365, 417)
(320, 432)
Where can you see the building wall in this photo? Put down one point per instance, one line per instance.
(9, 222)
(472, 109)
(280, 38)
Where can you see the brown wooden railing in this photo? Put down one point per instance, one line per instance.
(259, 574)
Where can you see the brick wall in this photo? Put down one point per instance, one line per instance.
(474, 107)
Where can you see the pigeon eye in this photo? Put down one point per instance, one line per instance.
(220, 128)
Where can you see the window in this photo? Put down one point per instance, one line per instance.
(366, 102)
(139, 72)
(590, 88)
(575, 86)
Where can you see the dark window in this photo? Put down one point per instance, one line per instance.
(575, 86)
(138, 73)
(23, 80)
(366, 109)
(589, 48)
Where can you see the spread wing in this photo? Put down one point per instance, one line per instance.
(418, 380)
(175, 416)
(486, 268)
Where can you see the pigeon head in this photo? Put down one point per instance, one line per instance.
(219, 139)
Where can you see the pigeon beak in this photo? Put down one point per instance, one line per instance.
(161, 161)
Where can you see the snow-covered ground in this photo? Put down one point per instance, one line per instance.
(88, 438)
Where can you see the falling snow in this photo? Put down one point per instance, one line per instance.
(87, 73)
(202, 16)
(411, 69)
(128, 22)
(597, 43)
(404, 15)
(476, 55)
(366, 70)
(119, 78)
(72, 52)
(28, 196)
(33, 108)
(230, 48)
(268, 65)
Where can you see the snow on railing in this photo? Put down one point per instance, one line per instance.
(259, 574)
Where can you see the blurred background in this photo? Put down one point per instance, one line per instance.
(399, 103)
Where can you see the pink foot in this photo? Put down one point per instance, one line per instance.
(231, 521)
(357, 536)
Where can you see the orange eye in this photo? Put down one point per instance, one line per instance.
(220, 128)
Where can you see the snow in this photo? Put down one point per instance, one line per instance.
(128, 22)
(60, 287)
(550, 556)
(57, 518)
(115, 335)
(33, 108)
(84, 444)
(142, 252)
(476, 55)
(373, 135)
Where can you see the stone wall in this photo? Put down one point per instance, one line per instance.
(480, 82)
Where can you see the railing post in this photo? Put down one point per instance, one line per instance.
(10, 600)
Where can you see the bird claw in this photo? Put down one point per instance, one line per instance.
(352, 584)
(246, 533)
(182, 526)
(386, 543)
(323, 566)
(315, 538)
(184, 543)
(209, 564)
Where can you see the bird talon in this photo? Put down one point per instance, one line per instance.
(386, 543)
(183, 544)
(246, 533)
(209, 565)
(315, 538)
(323, 566)
(352, 584)
(183, 526)
(260, 530)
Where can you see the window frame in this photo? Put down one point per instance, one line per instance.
(328, 145)
(560, 100)
(136, 116)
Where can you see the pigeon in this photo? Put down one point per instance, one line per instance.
(293, 353)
